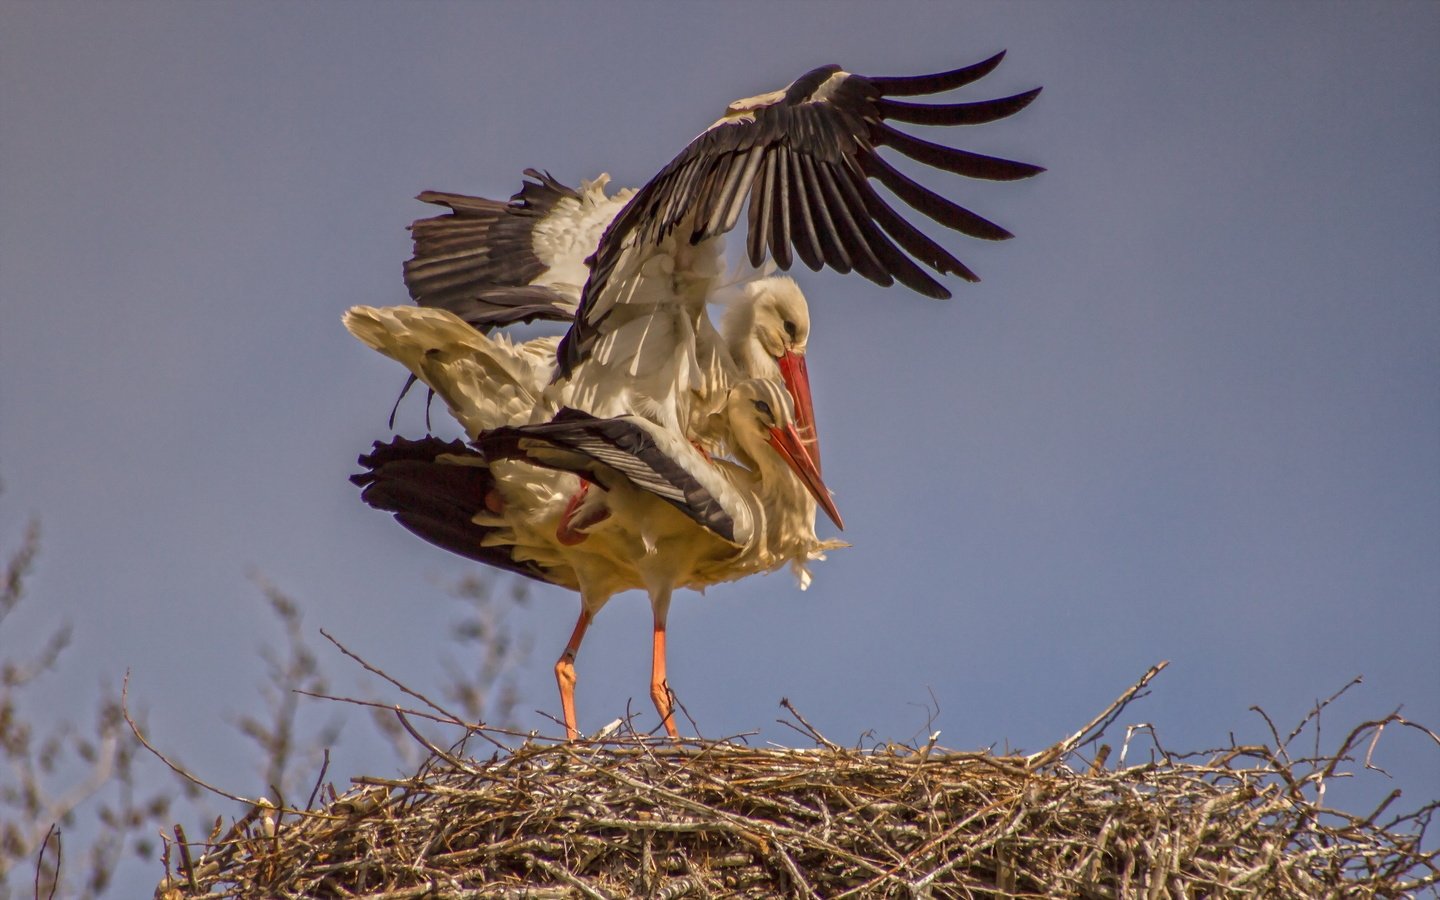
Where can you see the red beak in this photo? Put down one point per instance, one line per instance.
(788, 444)
(797, 381)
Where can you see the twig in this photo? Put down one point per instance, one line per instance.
(319, 779)
(385, 675)
(1097, 724)
(40, 861)
(459, 764)
(809, 729)
(173, 766)
(1314, 714)
(561, 874)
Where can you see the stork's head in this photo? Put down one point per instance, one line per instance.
(767, 330)
(762, 419)
(781, 316)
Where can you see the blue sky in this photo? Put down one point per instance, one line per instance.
(1191, 413)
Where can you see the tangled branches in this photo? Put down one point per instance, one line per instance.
(631, 816)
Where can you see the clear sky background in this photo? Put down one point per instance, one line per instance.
(1192, 413)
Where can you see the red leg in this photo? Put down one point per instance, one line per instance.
(659, 687)
(565, 673)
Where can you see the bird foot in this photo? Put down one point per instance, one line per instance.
(575, 519)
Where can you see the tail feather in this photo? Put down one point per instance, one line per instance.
(486, 382)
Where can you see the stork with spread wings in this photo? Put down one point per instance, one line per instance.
(643, 388)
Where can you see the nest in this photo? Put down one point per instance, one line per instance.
(631, 816)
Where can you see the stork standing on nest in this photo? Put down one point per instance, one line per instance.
(752, 517)
(642, 348)
(673, 517)
(548, 524)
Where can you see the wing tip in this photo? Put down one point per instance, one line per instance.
(936, 82)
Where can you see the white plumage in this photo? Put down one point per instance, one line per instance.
(599, 466)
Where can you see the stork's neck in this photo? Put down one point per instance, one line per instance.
(785, 506)
(738, 329)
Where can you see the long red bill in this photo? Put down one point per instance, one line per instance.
(797, 380)
(788, 443)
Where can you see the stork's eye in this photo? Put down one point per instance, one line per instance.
(790, 329)
(764, 409)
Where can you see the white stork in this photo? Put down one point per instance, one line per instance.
(549, 525)
(672, 516)
(642, 370)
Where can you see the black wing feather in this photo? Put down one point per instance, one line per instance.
(849, 229)
(857, 197)
(801, 157)
(468, 260)
(761, 212)
(947, 213)
(833, 252)
(737, 187)
(780, 237)
(954, 113)
(608, 448)
(915, 241)
(707, 197)
(961, 162)
(910, 85)
(807, 242)
(437, 501)
(721, 197)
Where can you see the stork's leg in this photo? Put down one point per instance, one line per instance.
(659, 687)
(565, 672)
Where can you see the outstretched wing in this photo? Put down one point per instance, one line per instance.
(803, 157)
(494, 263)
